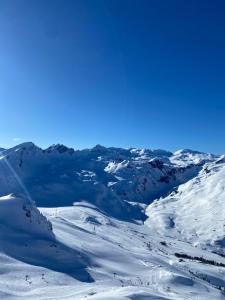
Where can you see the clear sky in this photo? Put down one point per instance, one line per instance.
(113, 72)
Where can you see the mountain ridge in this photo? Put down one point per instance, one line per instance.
(111, 178)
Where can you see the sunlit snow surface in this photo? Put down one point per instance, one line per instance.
(195, 211)
(97, 257)
(88, 251)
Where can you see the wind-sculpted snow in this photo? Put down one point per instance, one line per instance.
(110, 178)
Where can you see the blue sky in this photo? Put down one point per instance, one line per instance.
(118, 73)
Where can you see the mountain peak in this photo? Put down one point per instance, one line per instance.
(26, 145)
(189, 151)
(60, 148)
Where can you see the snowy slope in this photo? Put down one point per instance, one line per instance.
(119, 260)
(185, 157)
(88, 241)
(29, 247)
(20, 214)
(195, 212)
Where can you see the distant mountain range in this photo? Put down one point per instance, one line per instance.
(114, 179)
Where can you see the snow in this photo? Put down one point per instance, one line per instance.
(60, 176)
(123, 260)
(194, 213)
(18, 213)
(185, 157)
(87, 238)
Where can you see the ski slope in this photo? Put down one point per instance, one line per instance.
(89, 240)
(98, 257)
(194, 212)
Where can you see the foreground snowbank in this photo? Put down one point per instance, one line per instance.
(20, 214)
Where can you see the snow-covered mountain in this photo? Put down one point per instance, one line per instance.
(110, 178)
(89, 241)
(195, 211)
